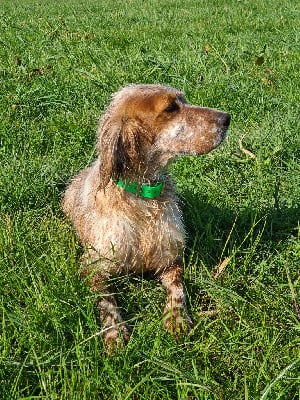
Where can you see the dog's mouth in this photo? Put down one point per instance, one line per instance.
(223, 131)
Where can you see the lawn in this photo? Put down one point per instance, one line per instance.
(59, 64)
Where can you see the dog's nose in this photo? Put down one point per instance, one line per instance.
(226, 120)
(223, 119)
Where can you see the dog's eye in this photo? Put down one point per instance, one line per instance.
(171, 108)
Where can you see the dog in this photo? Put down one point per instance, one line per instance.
(124, 207)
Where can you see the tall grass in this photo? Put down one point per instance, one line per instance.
(59, 63)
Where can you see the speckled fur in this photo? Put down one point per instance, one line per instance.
(144, 128)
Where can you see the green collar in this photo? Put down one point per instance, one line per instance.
(143, 190)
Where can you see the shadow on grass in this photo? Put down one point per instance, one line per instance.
(214, 231)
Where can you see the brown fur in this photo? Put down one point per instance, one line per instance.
(144, 127)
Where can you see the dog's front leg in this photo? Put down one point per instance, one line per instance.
(114, 328)
(176, 318)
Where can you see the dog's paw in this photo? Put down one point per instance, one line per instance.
(177, 321)
(115, 337)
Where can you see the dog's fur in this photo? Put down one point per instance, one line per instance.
(144, 128)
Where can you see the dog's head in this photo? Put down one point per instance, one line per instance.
(145, 126)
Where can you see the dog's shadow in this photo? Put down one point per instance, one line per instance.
(221, 242)
(215, 233)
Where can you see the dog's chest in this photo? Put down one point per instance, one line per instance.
(139, 234)
(158, 235)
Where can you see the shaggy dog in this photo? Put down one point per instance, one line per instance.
(124, 208)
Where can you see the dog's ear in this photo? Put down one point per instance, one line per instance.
(118, 147)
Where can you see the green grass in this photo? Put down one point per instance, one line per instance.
(59, 63)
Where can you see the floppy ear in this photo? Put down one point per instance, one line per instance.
(118, 147)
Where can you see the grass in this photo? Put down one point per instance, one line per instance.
(59, 63)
